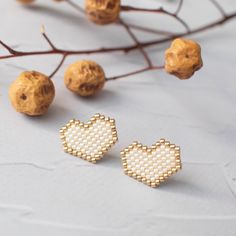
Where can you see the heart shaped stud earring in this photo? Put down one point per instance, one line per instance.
(151, 165)
(89, 141)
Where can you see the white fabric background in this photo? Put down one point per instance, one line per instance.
(44, 191)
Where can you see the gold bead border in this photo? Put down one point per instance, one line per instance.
(92, 121)
(149, 150)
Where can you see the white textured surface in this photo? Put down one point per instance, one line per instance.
(44, 191)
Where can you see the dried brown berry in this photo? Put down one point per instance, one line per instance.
(32, 93)
(103, 11)
(84, 78)
(183, 58)
(25, 1)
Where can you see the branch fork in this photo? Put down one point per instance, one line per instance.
(137, 45)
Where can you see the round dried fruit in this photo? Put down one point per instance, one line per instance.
(32, 93)
(183, 58)
(25, 1)
(84, 78)
(103, 11)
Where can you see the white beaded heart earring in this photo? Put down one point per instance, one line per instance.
(89, 141)
(151, 165)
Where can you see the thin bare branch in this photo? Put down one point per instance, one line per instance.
(47, 38)
(219, 7)
(144, 29)
(158, 10)
(59, 66)
(138, 45)
(119, 49)
(75, 6)
(179, 7)
(149, 30)
(135, 72)
(8, 48)
(132, 35)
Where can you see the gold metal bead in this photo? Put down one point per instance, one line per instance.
(162, 140)
(112, 121)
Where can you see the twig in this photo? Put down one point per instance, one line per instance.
(139, 46)
(75, 6)
(149, 30)
(115, 49)
(158, 10)
(136, 46)
(195, 31)
(59, 66)
(47, 38)
(8, 48)
(135, 72)
(140, 28)
(218, 6)
(179, 7)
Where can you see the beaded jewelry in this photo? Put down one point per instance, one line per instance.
(89, 141)
(151, 165)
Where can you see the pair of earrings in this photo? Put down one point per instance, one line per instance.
(91, 141)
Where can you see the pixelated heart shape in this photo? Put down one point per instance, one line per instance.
(89, 141)
(151, 165)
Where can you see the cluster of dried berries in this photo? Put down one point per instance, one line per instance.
(32, 92)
